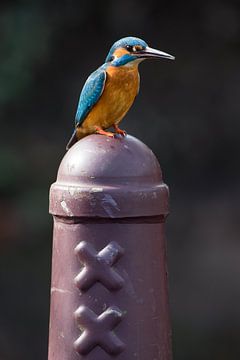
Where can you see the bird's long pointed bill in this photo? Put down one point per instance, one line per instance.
(154, 54)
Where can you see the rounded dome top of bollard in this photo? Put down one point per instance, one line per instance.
(98, 159)
(109, 177)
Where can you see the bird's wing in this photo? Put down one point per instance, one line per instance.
(91, 92)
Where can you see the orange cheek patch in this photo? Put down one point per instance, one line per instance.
(120, 52)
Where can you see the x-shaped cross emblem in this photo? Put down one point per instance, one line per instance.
(98, 266)
(97, 330)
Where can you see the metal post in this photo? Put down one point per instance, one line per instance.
(109, 281)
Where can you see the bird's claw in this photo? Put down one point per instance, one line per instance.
(110, 134)
(119, 131)
(103, 132)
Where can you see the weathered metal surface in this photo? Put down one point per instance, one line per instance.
(110, 178)
(109, 280)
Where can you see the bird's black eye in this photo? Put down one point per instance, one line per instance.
(111, 58)
(129, 48)
(134, 48)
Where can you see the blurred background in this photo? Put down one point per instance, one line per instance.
(188, 112)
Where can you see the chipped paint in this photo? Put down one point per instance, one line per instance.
(96, 189)
(61, 291)
(154, 195)
(66, 208)
(72, 191)
(109, 205)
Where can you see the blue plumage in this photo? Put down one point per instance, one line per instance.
(94, 85)
(124, 78)
(90, 94)
(123, 60)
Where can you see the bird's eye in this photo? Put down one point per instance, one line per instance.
(111, 58)
(134, 48)
(129, 48)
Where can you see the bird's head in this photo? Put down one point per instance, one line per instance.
(131, 50)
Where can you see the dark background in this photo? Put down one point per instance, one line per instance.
(188, 112)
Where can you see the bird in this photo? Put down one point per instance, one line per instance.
(109, 91)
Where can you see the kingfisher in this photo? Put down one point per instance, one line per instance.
(109, 91)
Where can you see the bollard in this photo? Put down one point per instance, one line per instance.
(109, 297)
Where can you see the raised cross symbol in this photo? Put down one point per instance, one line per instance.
(97, 330)
(98, 266)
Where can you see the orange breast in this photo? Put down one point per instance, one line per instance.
(120, 90)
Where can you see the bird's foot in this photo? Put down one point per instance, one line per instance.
(119, 131)
(103, 132)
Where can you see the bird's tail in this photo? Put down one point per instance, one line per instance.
(72, 140)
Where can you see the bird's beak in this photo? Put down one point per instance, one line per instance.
(150, 53)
